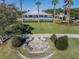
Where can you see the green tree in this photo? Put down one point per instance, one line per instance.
(75, 12)
(38, 3)
(21, 10)
(54, 3)
(18, 29)
(8, 15)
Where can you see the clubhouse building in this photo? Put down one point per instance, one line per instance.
(34, 15)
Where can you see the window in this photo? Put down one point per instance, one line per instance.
(35, 16)
(25, 16)
(45, 15)
(30, 16)
(40, 15)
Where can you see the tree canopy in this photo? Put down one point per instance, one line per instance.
(38, 3)
(8, 15)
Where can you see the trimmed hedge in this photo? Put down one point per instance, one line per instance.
(62, 43)
(42, 20)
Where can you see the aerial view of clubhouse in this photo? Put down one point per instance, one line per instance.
(39, 29)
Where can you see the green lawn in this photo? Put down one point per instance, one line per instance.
(71, 53)
(8, 53)
(54, 28)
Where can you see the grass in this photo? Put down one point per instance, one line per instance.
(54, 28)
(71, 53)
(49, 27)
(8, 53)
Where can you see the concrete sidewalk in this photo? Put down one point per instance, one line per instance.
(58, 35)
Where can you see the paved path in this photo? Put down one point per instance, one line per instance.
(46, 57)
(48, 35)
(58, 35)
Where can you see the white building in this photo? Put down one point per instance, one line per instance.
(34, 15)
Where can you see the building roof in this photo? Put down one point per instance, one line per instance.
(36, 13)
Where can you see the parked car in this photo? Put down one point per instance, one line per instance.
(76, 21)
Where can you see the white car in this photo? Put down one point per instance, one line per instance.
(76, 21)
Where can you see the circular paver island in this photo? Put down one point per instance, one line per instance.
(38, 45)
(37, 48)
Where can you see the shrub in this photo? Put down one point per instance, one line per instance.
(62, 43)
(53, 38)
(19, 29)
(18, 42)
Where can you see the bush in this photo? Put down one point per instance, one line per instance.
(19, 29)
(18, 42)
(40, 20)
(61, 43)
(53, 38)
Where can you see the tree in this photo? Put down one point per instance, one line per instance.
(18, 29)
(54, 3)
(19, 13)
(68, 4)
(14, 30)
(4, 3)
(8, 15)
(74, 12)
(21, 9)
(38, 4)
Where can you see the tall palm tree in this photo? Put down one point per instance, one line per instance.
(21, 9)
(3, 1)
(38, 3)
(54, 3)
(4, 5)
(68, 4)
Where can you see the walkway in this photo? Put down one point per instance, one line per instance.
(58, 35)
(48, 35)
(46, 57)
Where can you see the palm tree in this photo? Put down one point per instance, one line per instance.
(54, 3)
(21, 10)
(3, 1)
(4, 5)
(38, 4)
(68, 4)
